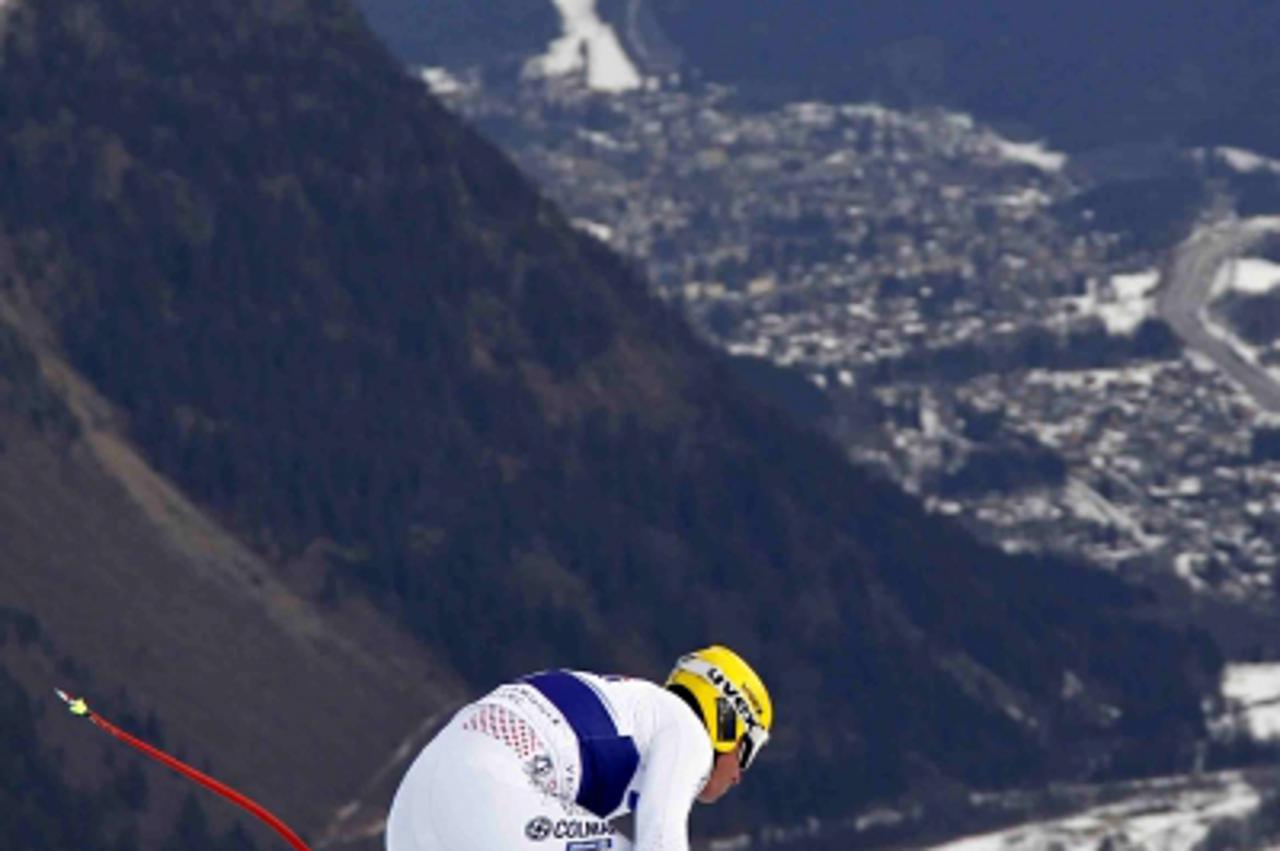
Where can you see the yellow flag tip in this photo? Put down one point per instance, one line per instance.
(75, 705)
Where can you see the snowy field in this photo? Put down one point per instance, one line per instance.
(587, 43)
(1252, 692)
(1175, 814)
(1159, 820)
(1031, 153)
(1243, 275)
(1124, 304)
(1133, 301)
(1247, 161)
(438, 80)
(1247, 275)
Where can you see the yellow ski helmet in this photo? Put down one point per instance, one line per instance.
(730, 697)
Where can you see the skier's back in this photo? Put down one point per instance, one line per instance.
(559, 754)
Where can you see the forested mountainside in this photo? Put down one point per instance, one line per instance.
(352, 333)
(44, 809)
(116, 587)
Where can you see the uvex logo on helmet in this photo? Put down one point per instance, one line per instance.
(735, 696)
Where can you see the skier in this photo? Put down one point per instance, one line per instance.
(547, 762)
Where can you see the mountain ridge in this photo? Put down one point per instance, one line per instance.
(1086, 76)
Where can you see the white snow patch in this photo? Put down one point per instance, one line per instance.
(1124, 317)
(600, 140)
(1251, 275)
(602, 232)
(874, 111)
(1247, 161)
(438, 80)
(1254, 692)
(587, 43)
(1026, 198)
(1136, 285)
(813, 113)
(1030, 153)
(1262, 224)
(1169, 821)
(1126, 306)
(1143, 375)
(1187, 566)
(756, 348)
(1132, 302)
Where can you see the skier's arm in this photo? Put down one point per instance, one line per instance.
(676, 767)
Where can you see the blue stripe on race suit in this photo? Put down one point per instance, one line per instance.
(609, 761)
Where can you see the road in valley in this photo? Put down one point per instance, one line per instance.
(1185, 291)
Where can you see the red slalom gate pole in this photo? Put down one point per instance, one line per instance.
(77, 706)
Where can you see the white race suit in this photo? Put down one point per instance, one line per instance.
(545, 764)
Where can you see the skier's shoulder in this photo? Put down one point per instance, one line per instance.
(643, 707)
(634, 688)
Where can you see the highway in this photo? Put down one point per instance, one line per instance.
(1185, 290)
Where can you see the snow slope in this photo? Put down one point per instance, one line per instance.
(1247, 162)
(439, 80)
(1160, 820)
(589, 44)
(1253, 690)
(1031, 153)
(1249, 275)
(1133, 302)
(1124, 305)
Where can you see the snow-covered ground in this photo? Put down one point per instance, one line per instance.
(1248, 275)
(1124, 305)
(1167, 814)
(1136, 285)
(439, 80)
(602, 232)
(1094, 381)
(1026, 153)
(1030, 153)
(1133, 301)
(1252, 692)
(1247, 161)
(1159, 820)
(587, 43)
